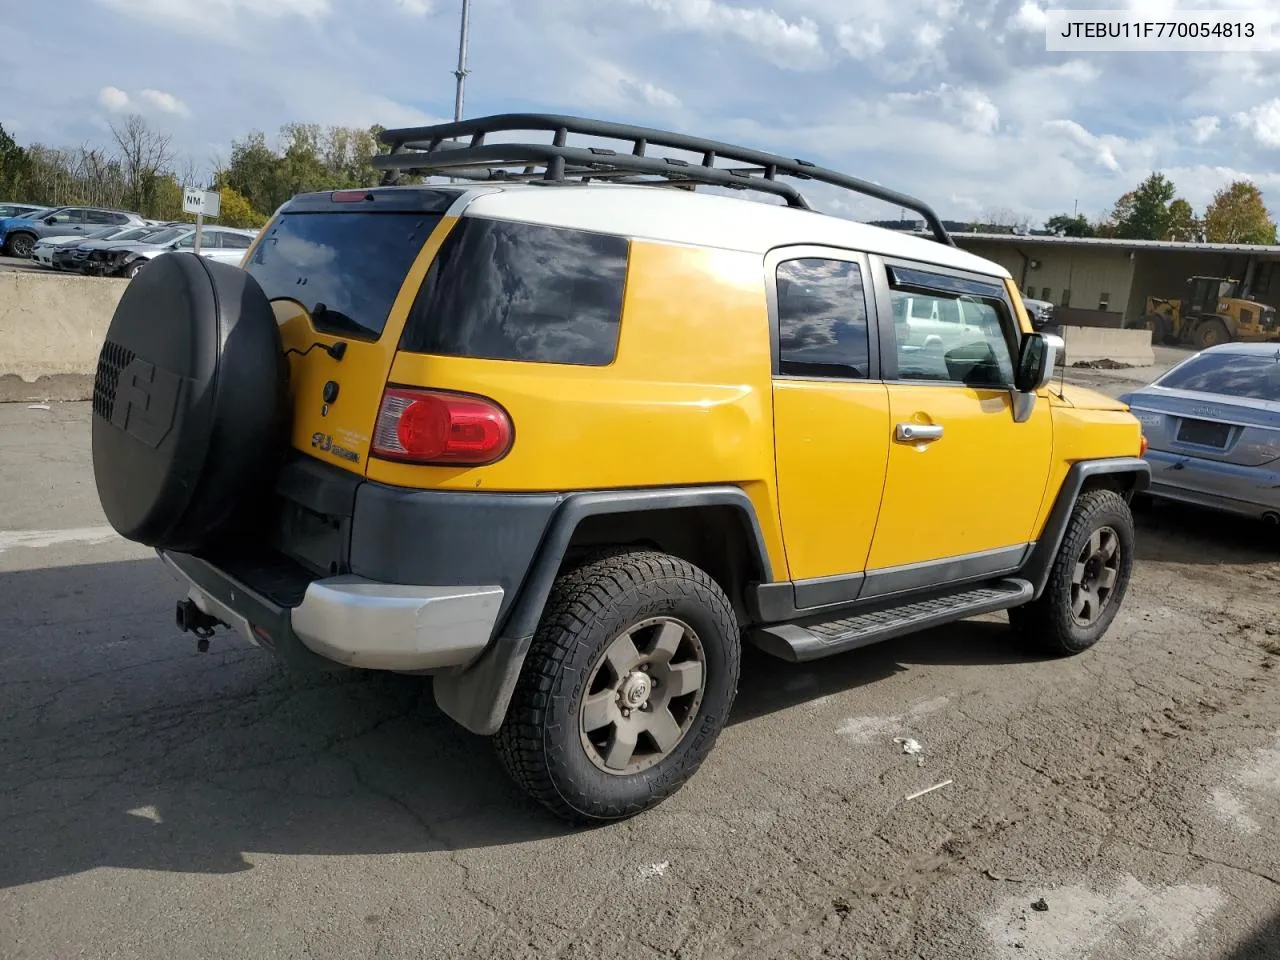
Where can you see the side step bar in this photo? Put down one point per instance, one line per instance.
(797, 643)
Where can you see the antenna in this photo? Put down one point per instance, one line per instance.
(462, 71)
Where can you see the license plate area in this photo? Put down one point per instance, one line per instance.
(1204, 433)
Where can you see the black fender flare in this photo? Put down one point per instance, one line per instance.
(477, 696)
(1040, 563)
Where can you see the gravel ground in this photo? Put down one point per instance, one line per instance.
(162, 803)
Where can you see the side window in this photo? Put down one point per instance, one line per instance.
(822, 319)
(209, 240)
(956, 333)
(235, 241)
(69, 216)
(500, 290)
(100, 217)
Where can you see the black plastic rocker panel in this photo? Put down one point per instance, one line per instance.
(802, 642)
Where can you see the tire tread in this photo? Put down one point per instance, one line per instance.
(579, 598)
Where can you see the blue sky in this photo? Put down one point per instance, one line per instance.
(955, 101)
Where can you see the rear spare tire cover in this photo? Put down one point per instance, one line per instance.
(190, 409)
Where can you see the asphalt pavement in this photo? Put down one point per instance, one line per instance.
(163, 803)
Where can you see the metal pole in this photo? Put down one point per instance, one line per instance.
(462, 71)
(199, 224)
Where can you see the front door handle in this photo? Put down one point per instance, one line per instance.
(918, 432)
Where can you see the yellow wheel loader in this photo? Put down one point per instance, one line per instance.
(1213, 313)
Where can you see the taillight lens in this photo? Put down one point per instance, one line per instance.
(1142, 446)
(436, 427)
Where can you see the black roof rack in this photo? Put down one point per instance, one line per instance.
(435, 150)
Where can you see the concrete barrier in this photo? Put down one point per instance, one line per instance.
(1091, 344)
(51, 329)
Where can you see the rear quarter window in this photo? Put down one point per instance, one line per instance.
(1228, 374)
(517, 291)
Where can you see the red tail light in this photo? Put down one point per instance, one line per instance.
(350, 196)
(435, 427)
(1142, 446)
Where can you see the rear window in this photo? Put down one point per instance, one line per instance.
(1228, 374)
(519, 291)
(352, 263)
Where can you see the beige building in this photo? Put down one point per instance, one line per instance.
(1098, 282)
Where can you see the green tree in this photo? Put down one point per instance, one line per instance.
(254, 172)
(1237, 214)
(1074, 226)
(1143, 213)
(14, 166)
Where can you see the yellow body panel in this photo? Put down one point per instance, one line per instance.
(689, 400)
(978, 487)
(683, 402)
(1086, 433)
(832, 445)
(361, 375)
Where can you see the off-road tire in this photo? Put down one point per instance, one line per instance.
(1048, 624)
(540, 743)
(20, 245)
(1211, 333)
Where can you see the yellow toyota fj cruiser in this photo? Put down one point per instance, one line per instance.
(564, 439)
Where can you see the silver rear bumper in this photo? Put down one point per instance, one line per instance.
(362, 623)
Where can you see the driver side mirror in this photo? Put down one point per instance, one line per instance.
(50, 221)
(1036, 360)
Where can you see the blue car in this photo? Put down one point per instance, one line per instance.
(1212, 424)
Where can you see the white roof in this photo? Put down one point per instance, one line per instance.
(707, 220)
(1180, 246)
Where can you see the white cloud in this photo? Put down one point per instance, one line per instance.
(604, 84)
(217, 19)
(416, 8)
(972, 108)
(1203, 129)
(794, 45)
(1078, 71)
(1262, 122)
(859, 41)
(164, 101)
(114, 99)
(1100, 149)
(1030, 17)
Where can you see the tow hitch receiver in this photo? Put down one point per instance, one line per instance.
(191, 619)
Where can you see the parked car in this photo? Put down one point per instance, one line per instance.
(46, 250)
(1041, 313)
(9, 210)
(567, 450)
(18, 235)
(1213, 426)
(76, 256)
(224, 244)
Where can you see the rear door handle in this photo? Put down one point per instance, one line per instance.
(918, 432)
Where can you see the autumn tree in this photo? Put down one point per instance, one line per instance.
(1237, 214)
(1183, 224)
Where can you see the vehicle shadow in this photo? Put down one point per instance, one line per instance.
(122, 746)
(1180, 533)
(1262, 944)
(769, 685)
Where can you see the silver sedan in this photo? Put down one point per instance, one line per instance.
(1212, 424)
